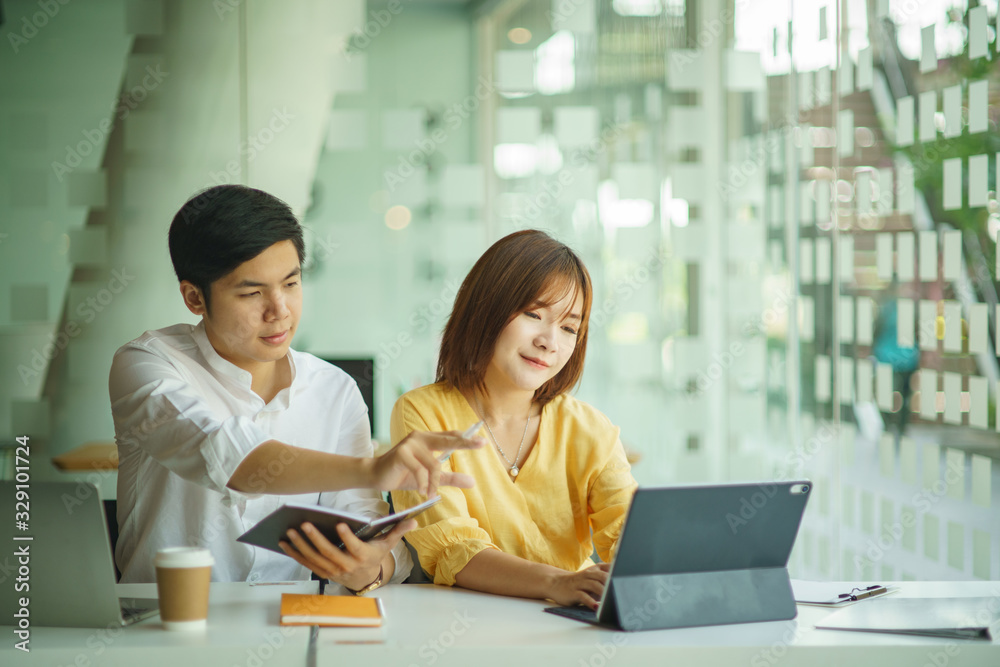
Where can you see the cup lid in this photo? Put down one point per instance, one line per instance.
(183, 557)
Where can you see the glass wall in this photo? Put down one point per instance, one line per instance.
(113, 114)
(578, 146)
(788, 207)
(790, 212)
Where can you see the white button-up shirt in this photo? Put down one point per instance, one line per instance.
(185, 418)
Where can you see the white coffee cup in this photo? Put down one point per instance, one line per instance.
(182, 581)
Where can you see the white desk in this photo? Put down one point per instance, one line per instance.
(242, 623)
(439, 627)
(432, 625)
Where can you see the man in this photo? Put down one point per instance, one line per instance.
(221, 423)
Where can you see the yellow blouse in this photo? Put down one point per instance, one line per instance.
(575, 480)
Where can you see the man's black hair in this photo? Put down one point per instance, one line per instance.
(221, 227)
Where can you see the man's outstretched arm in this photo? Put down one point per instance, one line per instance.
(278, 468)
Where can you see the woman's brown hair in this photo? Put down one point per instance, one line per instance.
(520, 271)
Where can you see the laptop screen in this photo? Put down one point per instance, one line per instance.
(686, 530)
(710, 528)
(72, 576)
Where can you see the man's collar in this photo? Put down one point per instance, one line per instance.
(228, 368)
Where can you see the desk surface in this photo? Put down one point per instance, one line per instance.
(242, 630)
(432, 625)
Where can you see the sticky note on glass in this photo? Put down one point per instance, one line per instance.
(865, 69)
(978, 328)
(462, 185)
(978, 103)
(823, 193)
(928, 394)
(905, 316)
(515, 70)
(952, 111)
(806, 272)
(981, 477)
(884, 194)
(927, 324)
(865, 380)
(952, 326)
(807, 318)
(846, 380)
(823, 86)
(865, 320)
(863, 191)
(804, 141)
(822, 378)
(978, 179)
(518, 125)
(905, 242)
(806, 90)
(978, 36)
(823, 260)
(775, 205)
(905, 192)
(952, 251)
(846, 319)
(743, 71)
(845, 259)
(348, 130)
(883, 386)
(952, 185)
(928, 256)
(904, 121)
(845, 132)
(686, 69)
(883, 255)
(928, 107)
(928, 53)
(845, 75)
(806, 203)
(579, 126)
(978, 395)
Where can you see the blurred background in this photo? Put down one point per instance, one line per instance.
(788, 208)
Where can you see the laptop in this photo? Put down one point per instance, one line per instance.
(71, 574)
(702, 555)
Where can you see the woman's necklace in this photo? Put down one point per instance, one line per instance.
(513, 470)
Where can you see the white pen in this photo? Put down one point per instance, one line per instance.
(469, 432)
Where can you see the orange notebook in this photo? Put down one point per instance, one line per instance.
(345, 610)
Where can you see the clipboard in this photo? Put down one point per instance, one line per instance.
(836, 594)
(948, 618)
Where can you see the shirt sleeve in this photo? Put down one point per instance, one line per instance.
(447, 537)
(608, 499)
(355, 439)
(157, 410)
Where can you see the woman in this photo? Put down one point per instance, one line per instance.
(554, 482)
